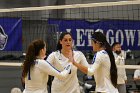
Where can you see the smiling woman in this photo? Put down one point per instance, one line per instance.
(60, 59)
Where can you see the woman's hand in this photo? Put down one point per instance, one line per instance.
(71, 57)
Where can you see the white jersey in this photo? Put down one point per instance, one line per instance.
(101, 71)
(37, 78)
(120, 60)
(70, 84)
(137, 74)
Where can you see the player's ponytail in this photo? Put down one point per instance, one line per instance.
(113, 68)
(101, 38)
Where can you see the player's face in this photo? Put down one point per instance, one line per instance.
(66, 42)
(43, 52)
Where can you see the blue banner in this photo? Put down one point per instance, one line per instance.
(123, 31)
(10, 34)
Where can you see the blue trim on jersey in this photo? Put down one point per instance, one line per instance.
(52, 66)
(104, 52)
(94, 58)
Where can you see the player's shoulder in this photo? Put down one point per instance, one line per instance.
(55, 53)
(39, 62)
(78, 52)
(102, 52)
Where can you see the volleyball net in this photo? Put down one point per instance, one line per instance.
(20, 64)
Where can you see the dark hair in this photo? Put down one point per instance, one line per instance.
(32, 52)
(59, 46)
(115, 43)
(101, 38)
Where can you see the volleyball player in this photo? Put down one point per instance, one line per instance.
(60, 58)
(36, 69)
(103, 68)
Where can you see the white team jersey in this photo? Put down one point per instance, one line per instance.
(120, 60)
(70, 84)
(101, 71)
(137, 73)
(39, 77)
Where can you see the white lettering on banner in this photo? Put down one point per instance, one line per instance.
(122, 36)
(110, 31)
(138, 37)
(99, 30)
(80, 37)
(88, 34)
(68, 30)
(130, 34)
